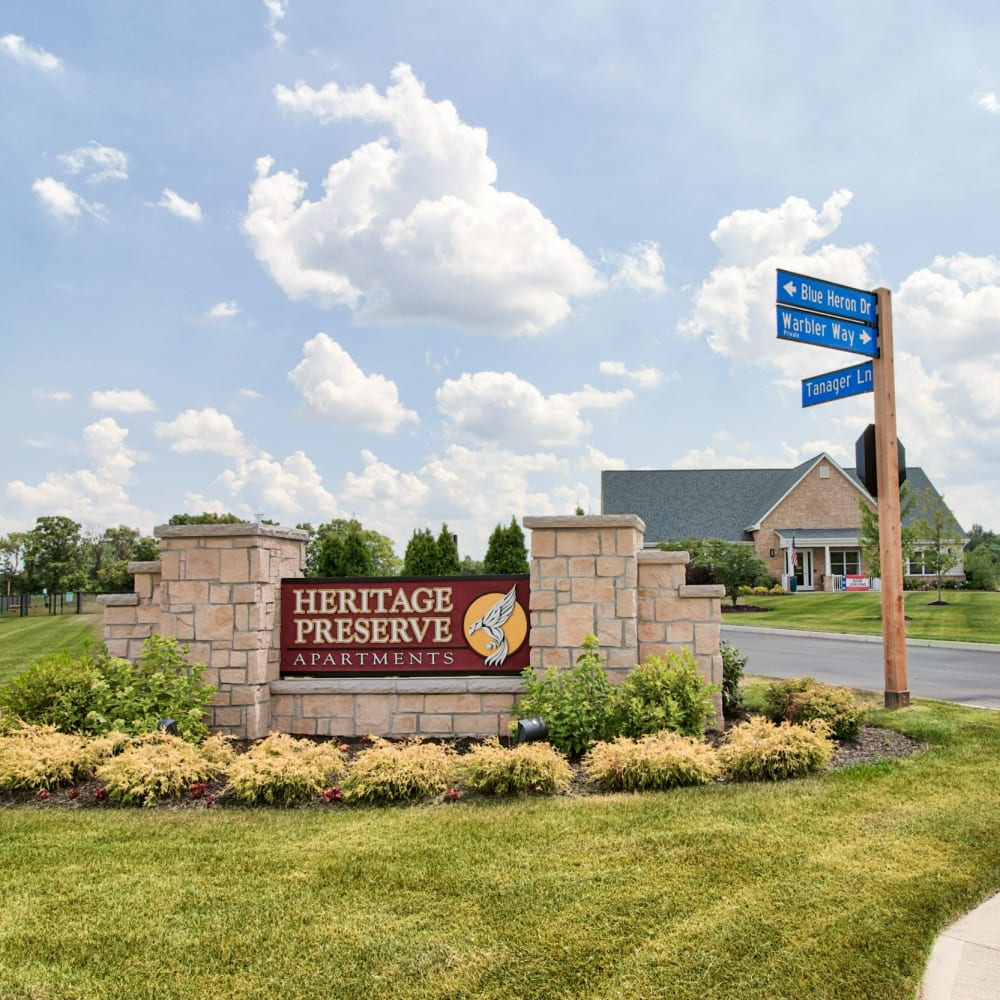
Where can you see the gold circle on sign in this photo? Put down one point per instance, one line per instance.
(516, 628)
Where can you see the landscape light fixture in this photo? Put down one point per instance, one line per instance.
(529, 730)
(168, 726)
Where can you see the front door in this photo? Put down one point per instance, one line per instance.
(804, 570)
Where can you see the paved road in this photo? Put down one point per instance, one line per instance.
(959, 672)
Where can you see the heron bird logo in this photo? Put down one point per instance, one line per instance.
(501, 610)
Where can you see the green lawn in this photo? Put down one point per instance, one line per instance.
(25, 639)
(966, 616)
(830, 887)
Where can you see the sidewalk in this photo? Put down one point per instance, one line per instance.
(965, 960)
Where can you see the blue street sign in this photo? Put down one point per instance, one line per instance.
(825, 297)
(838, 384)
(826, 331)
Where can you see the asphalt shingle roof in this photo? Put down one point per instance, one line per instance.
(711, 503)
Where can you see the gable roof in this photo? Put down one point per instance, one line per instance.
(717, 503)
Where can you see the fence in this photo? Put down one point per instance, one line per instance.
(34, 605)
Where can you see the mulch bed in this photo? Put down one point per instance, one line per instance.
(873, 746)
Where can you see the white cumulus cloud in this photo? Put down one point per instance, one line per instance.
(203, 430)
(647, 377)
(734, 306)
(290, 487)
(334, 387)
(17, 48)
(62, 202)
(94, 494)
(176, 205)
(99, 163)
(411, 226)
(640, 268)
(276, 11)
(223, 310)
(501, 406)
(988, 101)
(124, 400)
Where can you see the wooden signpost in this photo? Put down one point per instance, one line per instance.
(813, 311)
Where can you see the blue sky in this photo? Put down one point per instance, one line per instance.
(423, 262)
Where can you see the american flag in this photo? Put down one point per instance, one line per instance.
(793, 555)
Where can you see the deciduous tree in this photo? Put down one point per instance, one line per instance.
(384, 561)
(733, 564)
(54, 557)
(940, 537)
(868, 532)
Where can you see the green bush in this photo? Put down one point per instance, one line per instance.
(653, 763)
(97, 693)
(537, 768)
(156, 765)
(400, 772)
(802, 699)
(56, 690)
(283, 770)
(579, 705)
(665, 694)
(733, 665)
(760, 750)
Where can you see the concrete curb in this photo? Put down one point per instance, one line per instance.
(849, 637)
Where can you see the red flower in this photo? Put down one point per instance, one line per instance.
(43, 793)
(333, 794)
(74, 793)
(452, 795)
(100, 794)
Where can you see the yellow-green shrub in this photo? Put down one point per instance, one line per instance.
(760, 750)
(655, 762)
(156, 765)
(36, 757)
(282, 770)
(537, 768)
(400, 772)
(801, 699)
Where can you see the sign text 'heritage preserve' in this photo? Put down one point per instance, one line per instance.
(393, 626)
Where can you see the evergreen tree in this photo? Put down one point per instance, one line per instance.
(422, 557)
(357, 559)
(506, 551)
(448, 562)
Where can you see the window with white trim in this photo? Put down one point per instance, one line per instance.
(845, 562)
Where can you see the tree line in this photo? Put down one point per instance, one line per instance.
(58, 555)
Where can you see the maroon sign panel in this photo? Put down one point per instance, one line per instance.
(394, 625)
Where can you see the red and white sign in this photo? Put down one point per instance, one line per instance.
(854, 582)
(394, 626)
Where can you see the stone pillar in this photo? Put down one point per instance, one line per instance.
(584, 580)
(219, 595)
(674, 615)
(130, 619)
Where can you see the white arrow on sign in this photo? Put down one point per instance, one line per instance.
(790, 288)
(865, 337)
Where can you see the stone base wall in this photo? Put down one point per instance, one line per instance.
(217, 589)
(395, 706)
